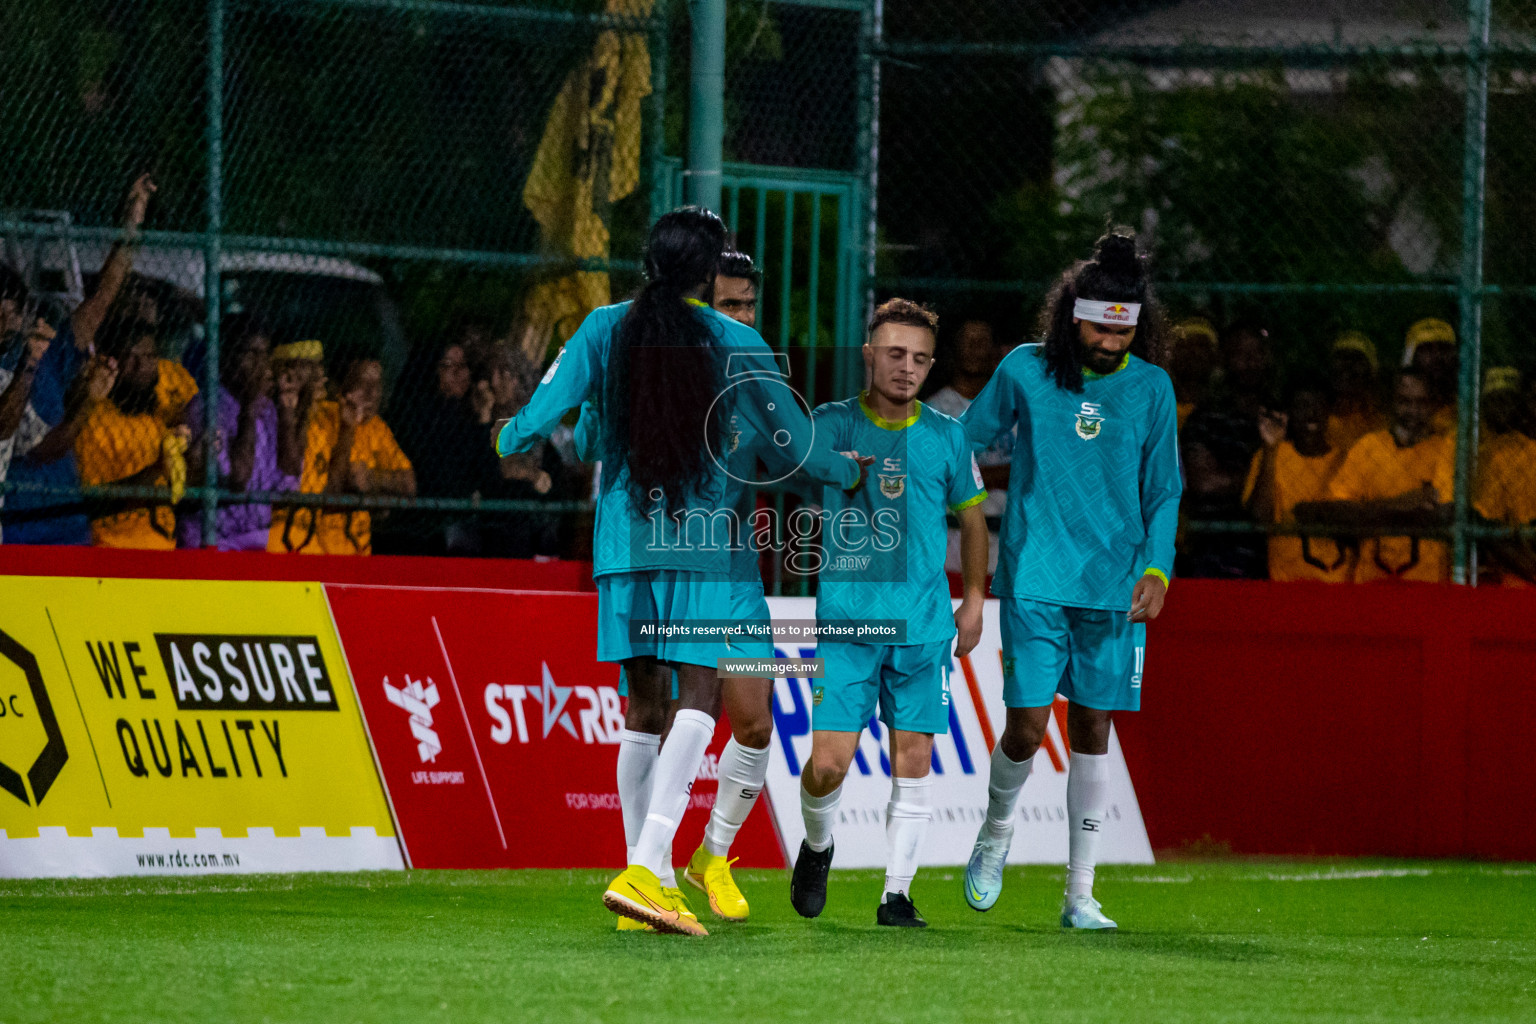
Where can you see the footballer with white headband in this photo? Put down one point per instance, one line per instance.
(1086, 550)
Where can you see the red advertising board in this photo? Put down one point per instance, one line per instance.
(1313, 719)
(497, 731)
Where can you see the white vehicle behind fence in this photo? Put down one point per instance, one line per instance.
(300, 295)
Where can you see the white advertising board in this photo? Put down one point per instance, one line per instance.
(960, 768)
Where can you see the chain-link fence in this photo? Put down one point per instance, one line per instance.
(407, 201)
(411, 202)
(1325, 207)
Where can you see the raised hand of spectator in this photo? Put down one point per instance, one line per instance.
(484, 401)
(92, 313)
(138, 203)
(1272, 427)
(352, 405)
(38, 340)
(100, 375)
(289, 389)
(362, 478)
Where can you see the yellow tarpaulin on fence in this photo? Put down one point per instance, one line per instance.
(588, 159)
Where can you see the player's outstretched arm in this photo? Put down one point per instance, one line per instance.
(772, 409)
(566, 384)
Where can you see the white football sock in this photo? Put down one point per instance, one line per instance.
(742, 772)
(667, 876)
(1007, 779)
(819, 812)
(637, 765)
(673, 781)
(906, 822)
(1087, 799)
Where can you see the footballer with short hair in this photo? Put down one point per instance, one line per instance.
(920, 467)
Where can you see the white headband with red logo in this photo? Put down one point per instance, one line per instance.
(1122, 314)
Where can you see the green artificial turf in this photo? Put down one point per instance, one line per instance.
(1200, 941)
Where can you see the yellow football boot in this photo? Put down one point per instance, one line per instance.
(636, 893)
(629, 924)
(681, 903)
(711, 875)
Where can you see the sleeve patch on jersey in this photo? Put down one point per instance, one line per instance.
(976, 471)
(549, 374)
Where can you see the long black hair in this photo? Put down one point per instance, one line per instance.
(1115, 273)
(665, 370)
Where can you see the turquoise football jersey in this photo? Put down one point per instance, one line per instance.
(747, 472)
(706, 540)
(884, 544)
(1093, 496)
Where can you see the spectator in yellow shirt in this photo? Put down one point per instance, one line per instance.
(299, 368)
(348, 449)
(1430, 349)
(1505, 494)
(1353, 368)
(124, 439)
(1501, 402)
(1400, 477)
(1296, 465)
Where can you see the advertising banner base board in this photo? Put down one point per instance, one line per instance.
(53, 853)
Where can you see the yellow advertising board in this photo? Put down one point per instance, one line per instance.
(175, 726)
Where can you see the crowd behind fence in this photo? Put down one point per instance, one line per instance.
(406, 206)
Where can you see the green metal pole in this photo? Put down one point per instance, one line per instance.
(214, 133)
(862, 265)
(661, 184)
(787, 270)
(1470, 287)
(706, 104)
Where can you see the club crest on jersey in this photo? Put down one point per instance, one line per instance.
(893, 486)
(735, 441)
(1089, 420)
